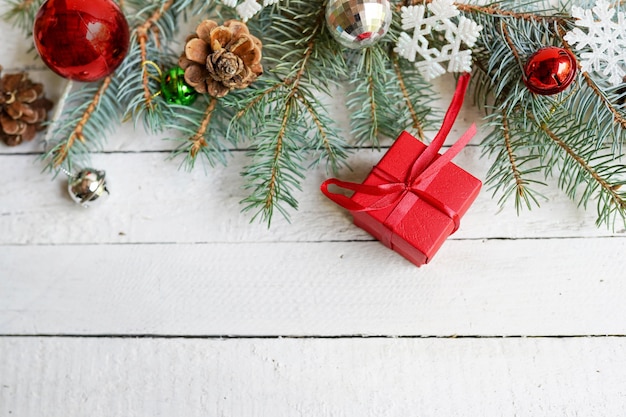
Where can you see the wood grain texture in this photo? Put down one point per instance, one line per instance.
(474, 287)
(312, 378)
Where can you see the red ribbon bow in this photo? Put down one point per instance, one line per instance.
(403, 193)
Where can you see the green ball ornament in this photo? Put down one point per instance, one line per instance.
(174, 88)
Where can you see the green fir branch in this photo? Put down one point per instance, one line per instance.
(598, 172)
(374, 109)
(564, 135)
(200, 134)
(21, 14)
(414, 97)
(327, 141)
(516, 165)
(600, 105)
(284, 110)
(90, 114)
(416, 121)
(153, 27)
(277, 165)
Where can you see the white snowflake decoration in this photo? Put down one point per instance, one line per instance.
(466, 31)
(606, 36)
(248, 8)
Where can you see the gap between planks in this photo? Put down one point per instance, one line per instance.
(280, 337)
(365, 240)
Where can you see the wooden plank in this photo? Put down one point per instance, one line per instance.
(473, 287)
(152, 201)
(313, 378)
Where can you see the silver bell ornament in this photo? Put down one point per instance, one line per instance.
(358, 23)
(87, 186)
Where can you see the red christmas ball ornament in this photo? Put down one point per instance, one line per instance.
(83, 40)
(550, 70)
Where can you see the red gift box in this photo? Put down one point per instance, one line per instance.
(414, 198)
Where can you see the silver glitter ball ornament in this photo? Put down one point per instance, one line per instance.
(358, 23)
(87, 186)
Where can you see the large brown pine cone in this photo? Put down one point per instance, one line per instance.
(23, 108)
(218, 59)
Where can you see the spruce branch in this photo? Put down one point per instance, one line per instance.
(198, 141)
(327, 140)
(577, 123)
(21, 13)
(60, 154)
(264, 94)
(519, 183)
(618, 117)
(607, 108)
(516, 163)
(275, 167)
(510, 44)
(199, 131)
(376, 98)
(496, 11)
(417, 123)
(526, 10)
(522, 193)
(371, 96)
(301, 56)
(612, 203)
(153, 27)
(143, 31)
(91, 112)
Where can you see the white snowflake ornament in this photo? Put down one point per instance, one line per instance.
(246, 9)
(410, 46)
(606, 37)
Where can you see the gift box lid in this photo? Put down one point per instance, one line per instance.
(424, 227)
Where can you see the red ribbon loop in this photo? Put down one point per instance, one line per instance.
(402, 193)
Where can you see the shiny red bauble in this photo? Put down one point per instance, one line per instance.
(83, 40)
(550, 70)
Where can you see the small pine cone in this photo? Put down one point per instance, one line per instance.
(218, 59)
(23, 108)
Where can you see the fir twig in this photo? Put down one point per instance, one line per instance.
(618, 117)
(21, 13)
(609, 193)
(259, 97)
(302, 59)
(271, 193)
(416, 121)
(521, 193)
(498, 12)
(511, 45)
(334, 154)
(375, 97)
(91, 112)
(153, 27)
(63, 149)
(198, 141)
(515, 164)
(143, 32)
(494, 11)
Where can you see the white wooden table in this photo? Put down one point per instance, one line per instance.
(165, 301)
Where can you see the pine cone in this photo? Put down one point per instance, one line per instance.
(218, 59)
(23, 108)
